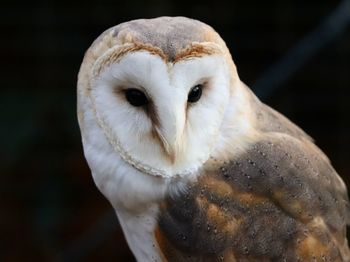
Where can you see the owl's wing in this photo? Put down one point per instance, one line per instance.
(280, 201)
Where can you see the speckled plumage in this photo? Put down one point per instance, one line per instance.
(224, 179)
(277, 202)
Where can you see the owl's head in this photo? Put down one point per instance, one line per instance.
(157, 91)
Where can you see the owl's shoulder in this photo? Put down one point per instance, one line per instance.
(269, 120)
(278, 199)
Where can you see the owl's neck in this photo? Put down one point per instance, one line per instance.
(133, 195)
(238, 129)
(139, 232)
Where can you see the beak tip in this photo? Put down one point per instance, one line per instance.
(169, 150)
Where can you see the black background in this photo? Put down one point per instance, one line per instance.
(50, 208)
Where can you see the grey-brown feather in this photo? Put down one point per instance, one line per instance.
(269, 120)
(292, 186)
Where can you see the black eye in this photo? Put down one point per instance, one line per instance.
(135, 97)
(195, 94)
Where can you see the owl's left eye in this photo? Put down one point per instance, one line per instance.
(136, 97)
(195, 94)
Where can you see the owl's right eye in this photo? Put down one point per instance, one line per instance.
(136, 97)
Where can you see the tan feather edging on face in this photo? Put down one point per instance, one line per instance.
(114, 54)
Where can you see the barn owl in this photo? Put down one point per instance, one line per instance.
(195, 166)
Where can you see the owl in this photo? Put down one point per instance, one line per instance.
(194, 165)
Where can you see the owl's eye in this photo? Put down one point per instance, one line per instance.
(195, 94)
(136, 97)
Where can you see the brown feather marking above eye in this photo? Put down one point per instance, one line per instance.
(195, 50)
(120, 52)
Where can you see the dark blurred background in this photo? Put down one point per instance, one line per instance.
(294, 54)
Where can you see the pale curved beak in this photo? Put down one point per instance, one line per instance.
(168, 148)
(170, 133)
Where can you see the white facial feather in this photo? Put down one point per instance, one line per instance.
(189, 129)
(237, 131)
